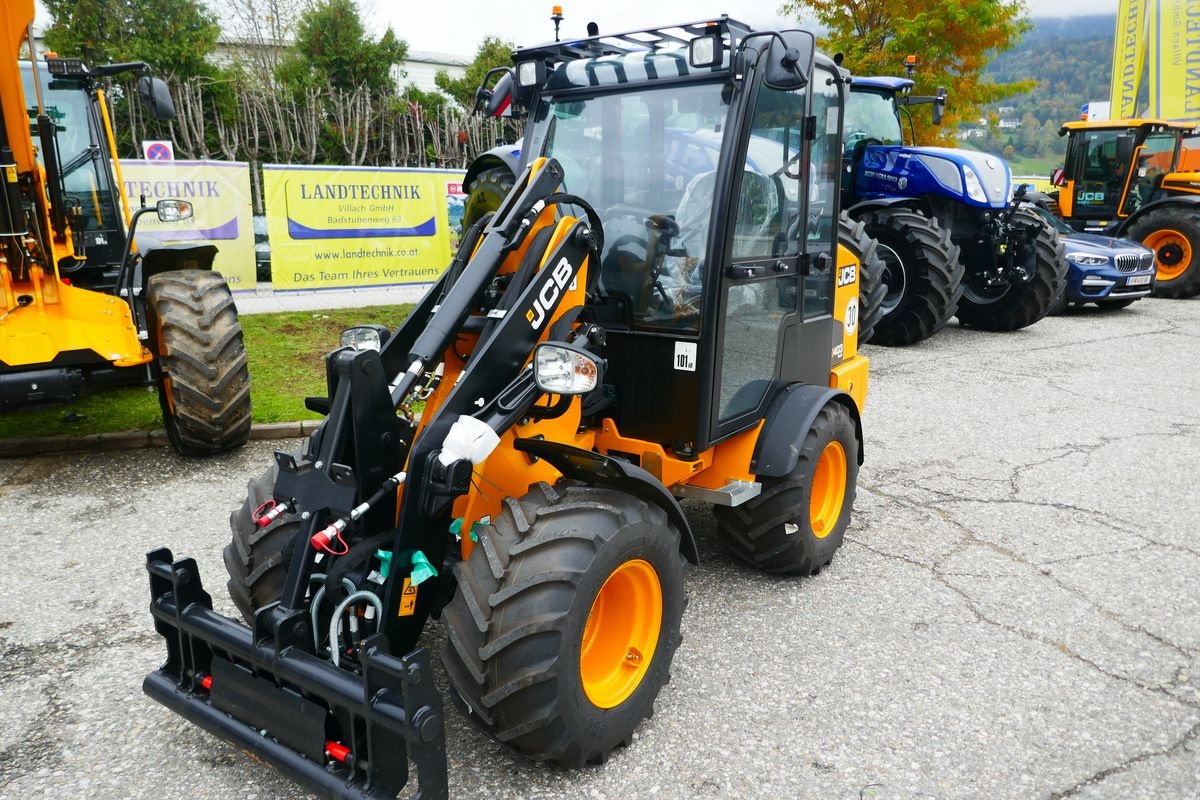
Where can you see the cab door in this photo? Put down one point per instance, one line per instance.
(776, 293)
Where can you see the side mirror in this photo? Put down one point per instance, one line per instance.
(706, 51)
(173, 210)
(499, 102)
(156, 97)
(939, 105)
(1124, 148)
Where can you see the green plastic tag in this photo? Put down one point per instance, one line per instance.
(422, 570)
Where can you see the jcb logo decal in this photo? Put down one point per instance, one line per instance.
(548, 295)
(1092, 198)
(847, 275)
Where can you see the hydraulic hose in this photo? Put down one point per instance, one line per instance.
(335, 622)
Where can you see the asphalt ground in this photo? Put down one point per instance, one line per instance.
(1015, 612)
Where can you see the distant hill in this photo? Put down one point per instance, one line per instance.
(1071, 59)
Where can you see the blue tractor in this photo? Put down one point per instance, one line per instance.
(954, 238)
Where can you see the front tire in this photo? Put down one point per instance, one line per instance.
(565, 621)
(1173, 233)
(200, 361)
(1020, 304)
(257, 558)
(922, 275)
(799, 521)
(486, 193)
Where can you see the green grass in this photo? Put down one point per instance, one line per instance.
(287, 363)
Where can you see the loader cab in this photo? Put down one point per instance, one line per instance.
(73, 105)
(1113, 169)
(717, 187)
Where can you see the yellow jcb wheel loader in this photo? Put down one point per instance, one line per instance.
(1138, 179)
(628, 327)
(80, 306)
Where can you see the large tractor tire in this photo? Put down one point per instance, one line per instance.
(257, 558)
(486, 193)
(566, 616)
(1019, 305)
(852, 234)
(798, 522)
(200, 361)
(1173, 233)
(922, 276)
(1061, 303)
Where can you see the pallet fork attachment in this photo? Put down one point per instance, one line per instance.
(215, 670)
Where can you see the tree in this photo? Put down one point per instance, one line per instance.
(333, 49)
(263, 29)
(953, 40)
(493, 52)
(173, 36)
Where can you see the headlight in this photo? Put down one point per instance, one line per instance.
(974, 185)
(1087, 259)
(561, 369)
(364, 337)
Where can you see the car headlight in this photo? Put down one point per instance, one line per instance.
(974, 185)
(1087, 259)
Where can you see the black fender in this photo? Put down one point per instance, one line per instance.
(600, 470)
(505, 155)
(168, 257)
(1183, 199)
(857, 210)
(788, 420)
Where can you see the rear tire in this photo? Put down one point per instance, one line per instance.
(257, 558)
(519, 641)
(922, 276)
(852, 234)
(1021, 304)
(1173, 233)
(200, 361)
(1115, 305)
(486, 193)
(798, 522)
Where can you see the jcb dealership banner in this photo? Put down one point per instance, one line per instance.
(1175, 60)
(1129, 57)
(219, 192)
(358, 226)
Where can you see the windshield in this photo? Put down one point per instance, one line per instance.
(67, 106)
(871, 115)
(1053, 221)
(645, 160)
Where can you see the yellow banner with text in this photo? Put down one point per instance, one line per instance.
(360, 226)
(1175, 60)
(219, 192)
(1129, 58)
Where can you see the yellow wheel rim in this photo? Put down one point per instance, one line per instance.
(828, 490)
(1172, 253)
(621, 634)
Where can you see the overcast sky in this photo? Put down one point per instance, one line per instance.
(525, 22)
(458, 26)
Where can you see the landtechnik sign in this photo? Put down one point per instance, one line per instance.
(357, 226)
(219, 192)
